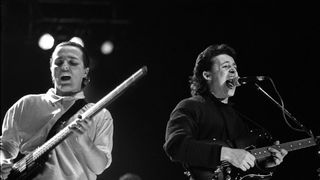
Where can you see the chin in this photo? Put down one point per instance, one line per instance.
(231, 92)
(67, 90)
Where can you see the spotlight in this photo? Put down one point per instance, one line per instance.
(107, 47)
(46, 41)
(77, 40)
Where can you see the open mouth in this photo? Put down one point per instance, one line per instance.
(231, 83)
(65, 78)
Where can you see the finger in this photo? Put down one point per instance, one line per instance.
(273, 150)
(277, 160)
(252, 157)
(242, 168)
(84, 124)
(251, 163)
(246, 166)
(80, 129)
(75, 128)
(283, 152)
(87, 123)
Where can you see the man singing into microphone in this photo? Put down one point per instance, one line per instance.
(205, 131)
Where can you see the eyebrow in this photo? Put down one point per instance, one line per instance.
(228, 62)
(70, 57)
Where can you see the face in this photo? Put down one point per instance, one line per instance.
(67, 70)
(223, 68)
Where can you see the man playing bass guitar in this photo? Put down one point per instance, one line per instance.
(81, 156)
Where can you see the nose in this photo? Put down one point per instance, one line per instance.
(232, 70)
(65, 66)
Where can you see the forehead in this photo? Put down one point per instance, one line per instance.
(67, 51)
(223, 58)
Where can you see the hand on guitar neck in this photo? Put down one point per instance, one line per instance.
(277, 156)
(244, 160)
(79, 132)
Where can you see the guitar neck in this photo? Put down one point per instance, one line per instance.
(263, 152)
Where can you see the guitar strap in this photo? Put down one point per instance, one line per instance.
(65, 117)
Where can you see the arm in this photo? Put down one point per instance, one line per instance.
(96, 152)
(9, 147)
(181, 143)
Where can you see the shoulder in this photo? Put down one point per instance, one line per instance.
(191, 101)
(191, 104)
(28, 100)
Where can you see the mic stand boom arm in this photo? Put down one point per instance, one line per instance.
(308, 131)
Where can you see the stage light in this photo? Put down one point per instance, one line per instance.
(107, 47)
(77, 40)
(46, 41)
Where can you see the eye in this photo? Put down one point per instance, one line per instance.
(58, 62)
(227, 66)
(74, 62)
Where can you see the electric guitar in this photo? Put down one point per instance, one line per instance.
(225, 171)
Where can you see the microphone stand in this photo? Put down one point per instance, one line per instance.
(308, 131)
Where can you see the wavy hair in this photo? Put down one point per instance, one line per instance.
(204, 62)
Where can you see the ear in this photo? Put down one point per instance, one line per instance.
(206, 75)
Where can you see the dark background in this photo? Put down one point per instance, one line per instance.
(277, 40)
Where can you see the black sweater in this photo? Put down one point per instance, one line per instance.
(197, 129)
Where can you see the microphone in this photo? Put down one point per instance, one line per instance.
(238, 81)
(250, 79)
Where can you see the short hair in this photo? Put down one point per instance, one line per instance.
(85, 53)
(85, 58)
(198, 85)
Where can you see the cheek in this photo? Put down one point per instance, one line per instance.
(54, 71)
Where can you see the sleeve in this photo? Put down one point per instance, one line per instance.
(181, 142)
(104, 134)
(9, 140)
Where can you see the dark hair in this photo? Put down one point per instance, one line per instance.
(85, 58)
(198, 85)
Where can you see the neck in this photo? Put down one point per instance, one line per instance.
(68, 93)
(223, 100)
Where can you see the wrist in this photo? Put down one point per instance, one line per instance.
(225, 153)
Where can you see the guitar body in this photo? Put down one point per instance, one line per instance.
(31, 170)
(228, 172)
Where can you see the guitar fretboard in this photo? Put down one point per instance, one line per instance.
(263, 152)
